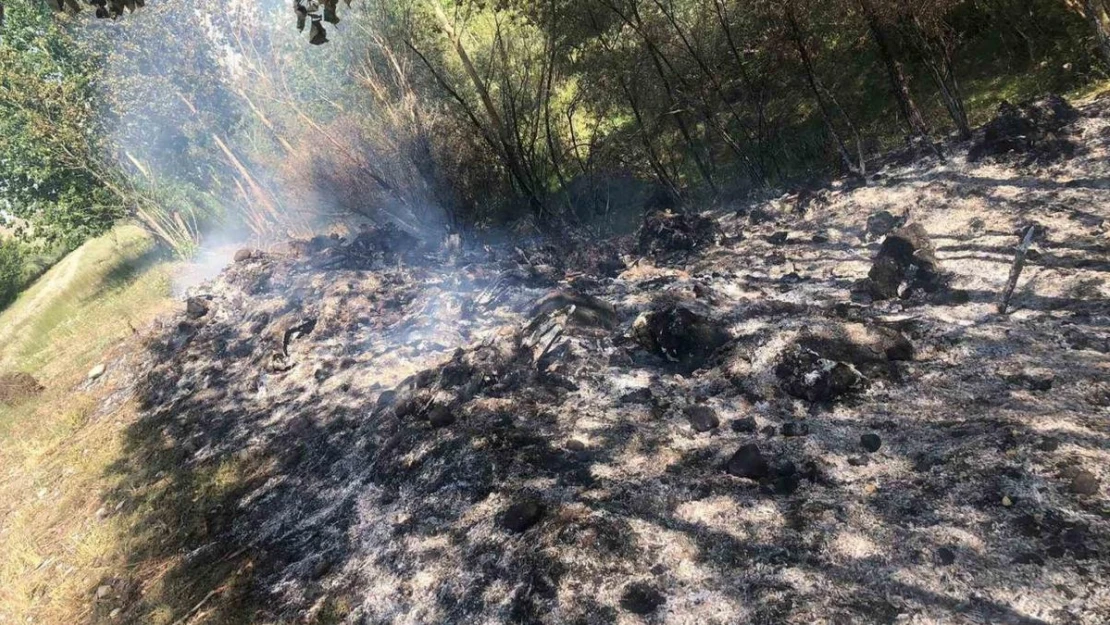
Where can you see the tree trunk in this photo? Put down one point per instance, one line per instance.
(936, 54)
(657, 60)
(814, 85)
(898, 82)
(1102, 37)
(508, 144)
(758, 177)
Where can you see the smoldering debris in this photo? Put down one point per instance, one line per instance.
(705, 432)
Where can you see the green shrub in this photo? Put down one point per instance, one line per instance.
(11, 271)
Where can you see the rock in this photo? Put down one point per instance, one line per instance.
(1049, 444)
(748, 462)
(665, 232)
(97, 371)
(882, 223)
(859, 461)
(642, 598)
(196, 308)
(778, 238)
(575, 445)
(245, 254)
(787, 484)
(793, 429)
(702, 418)
(759, 215)
(522, 515)
(945, 556)
(638, 396)
(682, 335)
(440, 416)
(906, 263)
(1085, 483)
(745, 425)
(103, 591)
(871, 442)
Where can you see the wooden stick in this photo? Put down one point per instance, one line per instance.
(1015, 271)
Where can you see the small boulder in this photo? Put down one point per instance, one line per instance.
(522, 515)
(638, 396)
(702, 418)
(871, 442)
(745, 425)
(906, 263)
(642, 598)
(245, 254)
(440, 416)
(882, 223)
(748, 462)
(1085, 483)
(196, 308)
(778, 238)
(793, 429)
(945, 556)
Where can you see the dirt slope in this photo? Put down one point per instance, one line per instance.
(732, 433)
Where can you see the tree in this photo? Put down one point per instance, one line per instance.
(51, 137)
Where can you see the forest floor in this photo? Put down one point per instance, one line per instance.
(716, 421)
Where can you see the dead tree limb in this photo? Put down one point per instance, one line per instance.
(1015, 271)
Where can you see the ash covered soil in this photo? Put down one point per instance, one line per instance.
(807, 410)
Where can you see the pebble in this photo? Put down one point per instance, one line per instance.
(97, 371)
(871, 442)
(103, 591)
(748, 462)
(702, 418)
(859, 461)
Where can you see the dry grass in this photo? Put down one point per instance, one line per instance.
(55, 449)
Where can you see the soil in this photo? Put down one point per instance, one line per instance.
(726, 427)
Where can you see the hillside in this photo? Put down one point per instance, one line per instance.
(723, 419)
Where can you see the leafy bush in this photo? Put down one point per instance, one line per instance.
(11, 271)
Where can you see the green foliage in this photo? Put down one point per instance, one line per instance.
(50, 136)
(11, 271)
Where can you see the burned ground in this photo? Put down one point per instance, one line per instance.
(366, 434)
